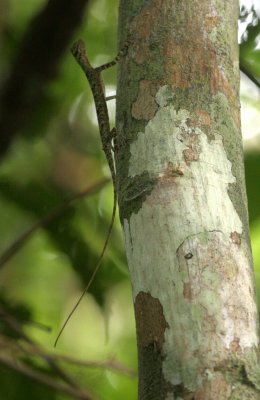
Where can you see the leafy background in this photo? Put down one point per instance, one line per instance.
(50, 151)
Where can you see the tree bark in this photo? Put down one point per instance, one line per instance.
(182, 201)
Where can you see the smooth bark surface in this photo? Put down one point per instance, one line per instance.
(182, 200)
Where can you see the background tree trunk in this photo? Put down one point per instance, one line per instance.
(183, 205)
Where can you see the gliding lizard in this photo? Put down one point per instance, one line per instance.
(97, 87)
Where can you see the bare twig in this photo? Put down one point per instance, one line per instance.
(31, 349)
(15, 326)
(112, 97)
(113, 365)
(107, 364)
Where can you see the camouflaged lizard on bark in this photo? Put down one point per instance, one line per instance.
(106, 134)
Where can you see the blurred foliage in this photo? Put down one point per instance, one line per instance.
(55, 155)
(249, 46)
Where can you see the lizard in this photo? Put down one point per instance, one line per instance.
(96, 84)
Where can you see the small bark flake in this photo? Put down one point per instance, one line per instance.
(170, 173)
(150, 320)
(234, 345)
(192, 152)
(142, 25)
(210, 22)
(235, 238)
(187, 291)
(145, 105)
(215, 388)
(204, 118)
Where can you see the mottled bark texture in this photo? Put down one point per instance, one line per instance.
(182, 200)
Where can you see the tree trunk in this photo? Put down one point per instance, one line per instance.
(182, 201)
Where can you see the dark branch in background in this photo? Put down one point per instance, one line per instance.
(249, 75)
(29, 349)
(36, 63)
(68, 386)
(15, 353)
(46, 219)
(40, 377)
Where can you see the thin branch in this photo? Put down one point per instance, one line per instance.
(107, 364)
(30, 348)
(15, 326)
(46, 219)
(17, 348)
(113, 365)
(112, 97)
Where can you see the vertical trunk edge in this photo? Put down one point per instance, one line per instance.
(182, 201)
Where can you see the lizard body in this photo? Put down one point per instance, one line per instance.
(97, 87)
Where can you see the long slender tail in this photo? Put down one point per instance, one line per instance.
(94, 273)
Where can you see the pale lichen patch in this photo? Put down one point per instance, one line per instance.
(169, 140)
(179, 247)
(226, 273)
